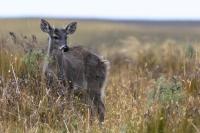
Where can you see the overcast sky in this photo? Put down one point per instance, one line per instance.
(110, 9)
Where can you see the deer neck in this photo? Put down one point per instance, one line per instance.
(46, 60)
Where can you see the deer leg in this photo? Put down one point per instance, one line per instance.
(49, 79)
(61, 79)
(99, 105)
(92, 111)
(69, 90)
(60, 67)
(101, 110)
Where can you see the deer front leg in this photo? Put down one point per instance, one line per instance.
(49, 78)
(60, 74)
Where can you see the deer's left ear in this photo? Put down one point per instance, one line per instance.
(71, 28)
(45, 26)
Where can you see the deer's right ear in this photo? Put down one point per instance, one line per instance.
(45, 26)
(71, 28)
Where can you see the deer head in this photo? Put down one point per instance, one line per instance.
(58, 36)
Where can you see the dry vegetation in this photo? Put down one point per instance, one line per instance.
(153, 85)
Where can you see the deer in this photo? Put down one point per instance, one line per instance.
(79, 68)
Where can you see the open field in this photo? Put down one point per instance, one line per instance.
(153, 84)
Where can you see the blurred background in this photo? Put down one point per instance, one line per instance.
(153, 47)
(108, 22)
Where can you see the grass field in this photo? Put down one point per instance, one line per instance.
(153, 84)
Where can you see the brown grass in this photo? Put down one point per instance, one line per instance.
(153, 86)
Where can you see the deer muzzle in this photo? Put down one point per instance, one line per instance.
(64, 47)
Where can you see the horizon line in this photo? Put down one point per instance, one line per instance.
(100, 18)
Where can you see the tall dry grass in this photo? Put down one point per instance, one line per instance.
(152, 88)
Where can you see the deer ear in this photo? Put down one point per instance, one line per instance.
(45, 26)
(71, 28)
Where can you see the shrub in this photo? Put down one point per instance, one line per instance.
(166, 91)
(32, 61)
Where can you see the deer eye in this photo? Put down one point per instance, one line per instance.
(55, 37)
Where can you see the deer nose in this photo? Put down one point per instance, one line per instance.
(64, 47)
